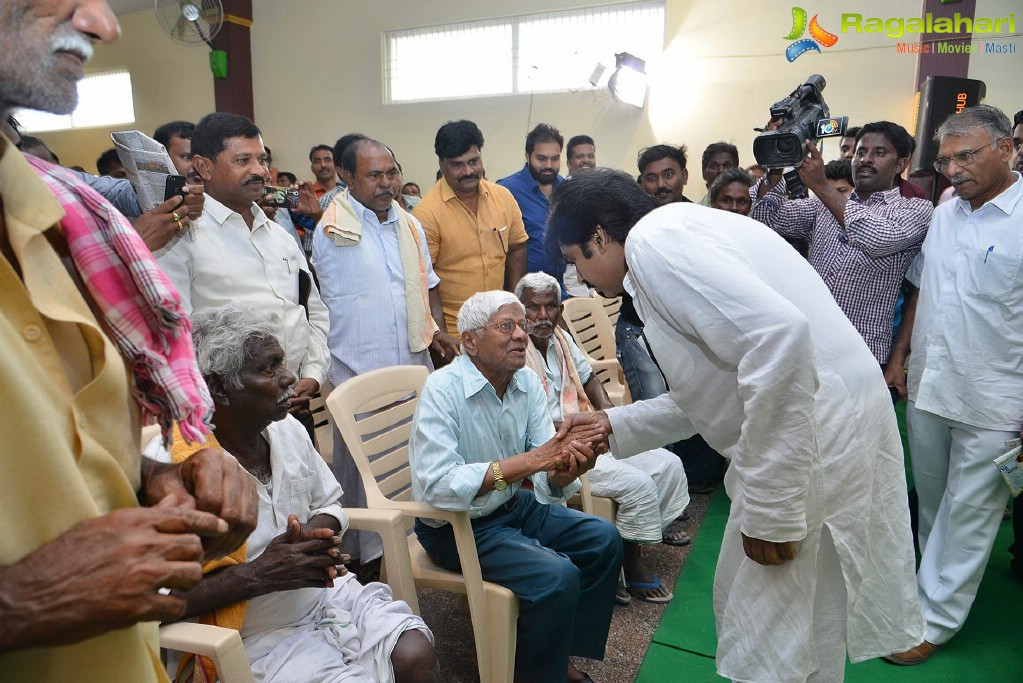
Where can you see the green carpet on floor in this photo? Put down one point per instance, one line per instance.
(987, 650)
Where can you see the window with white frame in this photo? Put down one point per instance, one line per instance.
(104, 99)
(549, 52)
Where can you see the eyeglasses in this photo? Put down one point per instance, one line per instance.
(964, 158)
(507, 326)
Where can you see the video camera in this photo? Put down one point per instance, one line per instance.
(801, 116)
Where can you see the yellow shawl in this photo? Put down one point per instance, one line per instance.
(341, 224)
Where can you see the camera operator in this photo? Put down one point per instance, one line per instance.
(860, 244)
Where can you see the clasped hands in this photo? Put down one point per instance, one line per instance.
(580, 439)
(303, 556)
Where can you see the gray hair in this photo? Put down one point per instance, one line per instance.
(539, 282)
(478, 309)
(984, 116)
(224, 337)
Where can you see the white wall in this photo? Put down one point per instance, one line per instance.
(318, 73)
(169, 82)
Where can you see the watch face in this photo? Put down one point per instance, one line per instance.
(500, 485)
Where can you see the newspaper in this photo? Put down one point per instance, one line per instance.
(1009, 464)
(147, 164)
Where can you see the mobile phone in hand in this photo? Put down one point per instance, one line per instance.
(175, 187)
(279, 197)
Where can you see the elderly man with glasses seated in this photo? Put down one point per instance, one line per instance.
(481, 429)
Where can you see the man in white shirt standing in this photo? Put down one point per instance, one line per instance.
(817, 556)
(378, 283)
(234, 254)
(965, 382)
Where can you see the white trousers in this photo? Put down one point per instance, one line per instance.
(962, 497)
(650, 489)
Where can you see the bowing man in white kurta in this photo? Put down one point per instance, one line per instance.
(762, 362)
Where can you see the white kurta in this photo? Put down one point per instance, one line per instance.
(344, 633)
(650, 488)
(761, 361)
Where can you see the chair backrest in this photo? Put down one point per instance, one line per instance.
(323, 427)
(374, 415)
(611, 307)
(590, 327)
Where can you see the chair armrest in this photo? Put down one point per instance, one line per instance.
(222, 645)
(391, 526)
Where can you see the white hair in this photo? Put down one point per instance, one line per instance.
(479, 308)
(224, 337)
(539, 282)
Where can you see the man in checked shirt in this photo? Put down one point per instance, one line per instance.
(862, 243)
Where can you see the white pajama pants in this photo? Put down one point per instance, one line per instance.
(650, 489)
(962, 497)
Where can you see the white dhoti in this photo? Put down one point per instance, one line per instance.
(650, 489)
(349, 638)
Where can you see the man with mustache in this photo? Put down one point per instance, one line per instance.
(717, 158)
(378, 283)
(861, 244)
(531, 187)
(93, 338)
(582, 154)
(662, 172)
(964, 384)
(234, 254)
(473, 226)
(650, 487)
(300, 614)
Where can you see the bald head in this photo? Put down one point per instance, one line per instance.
(372, 175)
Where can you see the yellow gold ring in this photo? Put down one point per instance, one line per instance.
(180, 225)
(176, 216)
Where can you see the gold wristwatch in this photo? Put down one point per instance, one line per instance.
(499, 483)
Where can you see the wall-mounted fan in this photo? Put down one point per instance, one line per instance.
(194, 22)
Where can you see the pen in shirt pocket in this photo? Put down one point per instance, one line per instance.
(989, 251)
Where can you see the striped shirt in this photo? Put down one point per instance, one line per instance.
(863, 264)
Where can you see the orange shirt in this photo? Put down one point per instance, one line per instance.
(468, 251)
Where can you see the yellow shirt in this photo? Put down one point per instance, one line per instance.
(70, 428)
(468, 251)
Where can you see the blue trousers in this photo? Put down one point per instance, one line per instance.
(562, 564)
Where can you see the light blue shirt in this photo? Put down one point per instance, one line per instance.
(363, 287)
(968, 330)
(117, 191)
(461, 427)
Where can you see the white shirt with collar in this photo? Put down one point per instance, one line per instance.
(218, 261)
(968, 332)
(363, 285)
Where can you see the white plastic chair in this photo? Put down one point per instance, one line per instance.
(587, 320)
(373, 412)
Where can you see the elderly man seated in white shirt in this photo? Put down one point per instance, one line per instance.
(650, 487)
(234, 254)
(300, 614)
